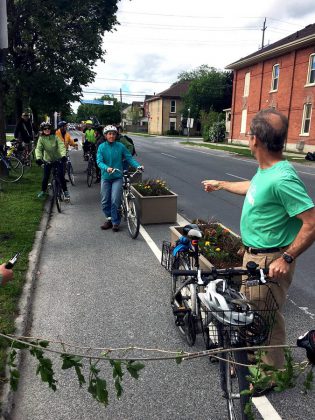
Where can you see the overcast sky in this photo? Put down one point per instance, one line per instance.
(156, 40)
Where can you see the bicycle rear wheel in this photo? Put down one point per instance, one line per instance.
(70, 173)
(11, 169)
(56, 188)
(133, 219)
(233, 381)
(184, 301)
(90, 174)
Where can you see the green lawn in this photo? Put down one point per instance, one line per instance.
(21, 213)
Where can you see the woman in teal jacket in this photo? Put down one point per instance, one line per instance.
(110, 156)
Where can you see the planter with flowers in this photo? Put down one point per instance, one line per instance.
(155, 201)
(219, 246)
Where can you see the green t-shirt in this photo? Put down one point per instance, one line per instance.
(275, 196)
(90, 135)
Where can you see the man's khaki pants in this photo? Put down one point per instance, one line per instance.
(274, 357)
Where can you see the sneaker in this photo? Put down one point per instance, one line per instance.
(42, 194)
(115, 228)
(67, 195)
(107, 225)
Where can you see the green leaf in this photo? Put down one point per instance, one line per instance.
(69, 361)
(118, 387)
(18, 345)
(14, 379)
(101, 391)
(133, 368)
(43, 343)
(179, 357)
(80, 376)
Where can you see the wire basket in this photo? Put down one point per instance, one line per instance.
(167, 256)
(250, 322)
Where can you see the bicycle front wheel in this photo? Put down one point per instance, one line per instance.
(89, 176)
(56, 188)
(233, 381)
(11, 169)
(133, 219)
(70, 173)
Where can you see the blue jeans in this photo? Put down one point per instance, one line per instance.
(111, 191)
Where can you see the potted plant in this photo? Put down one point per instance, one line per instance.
(155, 201)
(219, 246)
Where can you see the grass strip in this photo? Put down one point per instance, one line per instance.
(21, 212)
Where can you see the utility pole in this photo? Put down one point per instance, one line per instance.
(263, 35)
(188, 124)
(3, 48)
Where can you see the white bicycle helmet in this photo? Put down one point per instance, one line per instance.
(109, 128)
(227, 306)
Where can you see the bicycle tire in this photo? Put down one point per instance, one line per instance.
(56, 189)
(89, 175)
(13, 171)
(185, 299)
(132, 216)
(210, 329)
(234, 380)
(70, 173)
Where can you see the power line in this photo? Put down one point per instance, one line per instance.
(198, 28)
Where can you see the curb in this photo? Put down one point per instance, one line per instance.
(25, 303)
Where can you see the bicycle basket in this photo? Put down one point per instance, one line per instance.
(249, 321)
(167, 257)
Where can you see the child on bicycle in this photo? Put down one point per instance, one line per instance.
(110, 156)
(50, 149)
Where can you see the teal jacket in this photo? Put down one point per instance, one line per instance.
(111, 155)
(50, 148)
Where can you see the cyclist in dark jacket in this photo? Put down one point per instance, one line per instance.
(24, 130)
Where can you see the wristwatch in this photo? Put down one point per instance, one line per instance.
(287, 258)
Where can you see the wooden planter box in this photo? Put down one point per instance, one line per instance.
(157, 209)
(176, 233)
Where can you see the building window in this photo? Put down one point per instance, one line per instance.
(246, 84)
(173, 105)
(275, 77)
(244, 120)
(311, 70)
(172, 124)
(306, 121)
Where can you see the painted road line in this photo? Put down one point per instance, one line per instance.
(251, 161)
(166, 154)
(306, 173)
(235, 176)
(265, 408)
(262, 404)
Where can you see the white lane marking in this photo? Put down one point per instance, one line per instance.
(306, 173)
(303, 309)
(235, 176)
(262, 404)
(223, 156)
(265, 408)
(166, 154)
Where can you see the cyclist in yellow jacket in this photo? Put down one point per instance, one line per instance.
(64, 135)
(88, 139)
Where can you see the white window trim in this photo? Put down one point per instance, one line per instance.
(309, 72)
(246, 84)
(303, 120)
(173, 120)
(172, 112)
(272, 78)
(243, 123)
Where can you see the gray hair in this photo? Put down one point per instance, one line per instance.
(271, 128)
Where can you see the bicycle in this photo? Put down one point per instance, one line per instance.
(69, 169)
(57, 192)
(11, 168)
(129, 212)
(23, 151)
(91, 168)
(230, 321)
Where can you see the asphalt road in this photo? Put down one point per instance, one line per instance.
(104, 289)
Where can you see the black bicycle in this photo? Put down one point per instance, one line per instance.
(11, 168)
(91, 168)
(57, 192)
(229, 319)
(69, 169)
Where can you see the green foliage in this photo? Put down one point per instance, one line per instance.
(209, 121)
(104, 113)
(217, 132)
(53, 46)
(152, 187)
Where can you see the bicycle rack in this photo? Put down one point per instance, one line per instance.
(167, 256)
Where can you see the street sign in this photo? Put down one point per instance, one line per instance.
(190, 123)
(96, 102)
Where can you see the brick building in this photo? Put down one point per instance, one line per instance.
(282, 76)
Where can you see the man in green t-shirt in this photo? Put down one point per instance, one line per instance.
(278, 216)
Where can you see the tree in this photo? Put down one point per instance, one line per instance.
(53, 46)
(106, 114)
(209, 89)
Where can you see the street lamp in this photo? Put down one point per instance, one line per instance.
(188, 124)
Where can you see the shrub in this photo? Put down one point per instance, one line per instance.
(152, 187)
(217, 132)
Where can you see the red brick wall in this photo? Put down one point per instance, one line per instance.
(290, 97)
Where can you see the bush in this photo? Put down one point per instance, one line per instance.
(217, 132)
